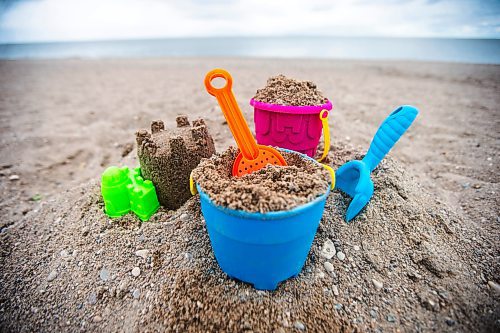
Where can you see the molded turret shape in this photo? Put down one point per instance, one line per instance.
(141, 136)
(142, 194)
(182, 121)
(157, 126)
(168, 156)
(114, 182)
(199, 132)
(124, 190)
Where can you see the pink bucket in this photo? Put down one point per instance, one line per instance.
(291, 127)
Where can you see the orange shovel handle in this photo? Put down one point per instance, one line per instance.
(232, 113)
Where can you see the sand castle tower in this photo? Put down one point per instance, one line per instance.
(167, 157)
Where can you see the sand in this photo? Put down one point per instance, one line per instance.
(288, 91)
(272, 188)
(423, 256)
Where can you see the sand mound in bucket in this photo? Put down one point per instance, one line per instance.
(286, 91)
(272, 188)
(404, 264)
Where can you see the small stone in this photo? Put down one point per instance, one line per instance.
(97, 319)
(85, 231)
(184, 217)
(377, 284)
(299, 325)
(495, 286)
(14, 177)
(93, 298)
(356, 248)
(449, 321)
(328, 266)
(199, 304)
(414, 275)
(122, 289)
(136, 294)
(247, 326)
(320, 274)
(104, 274)
(136, 271)
(335, 290)
(391, 318)
(328, 249)
(429, 304)
(142, 253)
(52, 276)
(341, 256)
(373, 313)
(338, 306)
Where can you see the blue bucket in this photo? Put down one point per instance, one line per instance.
(263, 249)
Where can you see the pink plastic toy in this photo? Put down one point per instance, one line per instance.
(291, 127)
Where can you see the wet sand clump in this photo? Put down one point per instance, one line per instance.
(271, 188)
(286, 91)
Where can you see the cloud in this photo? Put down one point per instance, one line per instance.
(56, 20)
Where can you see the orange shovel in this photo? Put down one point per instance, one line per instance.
(252, 156)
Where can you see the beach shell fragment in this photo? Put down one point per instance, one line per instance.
(328, 249)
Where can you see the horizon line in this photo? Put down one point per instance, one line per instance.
(245, 36)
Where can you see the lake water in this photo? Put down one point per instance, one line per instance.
(486, 51)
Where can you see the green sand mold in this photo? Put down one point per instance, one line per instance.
(124, 190)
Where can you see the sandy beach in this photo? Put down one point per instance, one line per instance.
(63, 122)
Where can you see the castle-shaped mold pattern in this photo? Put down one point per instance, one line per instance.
(167, 157)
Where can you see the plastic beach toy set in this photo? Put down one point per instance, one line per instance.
(263, 249)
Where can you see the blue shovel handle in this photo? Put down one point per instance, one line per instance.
(389, 132)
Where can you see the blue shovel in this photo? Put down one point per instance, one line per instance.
(353, 177)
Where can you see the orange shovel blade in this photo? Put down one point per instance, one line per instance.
(267, 155)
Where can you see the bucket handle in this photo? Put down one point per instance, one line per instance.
(332, 174)
(323, 116)
(192, 185)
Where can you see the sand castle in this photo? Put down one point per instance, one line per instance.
(168, 156)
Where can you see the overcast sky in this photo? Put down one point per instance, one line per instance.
(68, 20)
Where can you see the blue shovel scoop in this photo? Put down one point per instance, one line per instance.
(353, 177)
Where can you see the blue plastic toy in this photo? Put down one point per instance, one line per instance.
(353, 177)
(262, 248)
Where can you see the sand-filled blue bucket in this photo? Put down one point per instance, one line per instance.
(263, 249)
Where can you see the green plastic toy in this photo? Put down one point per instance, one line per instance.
(124, 190)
